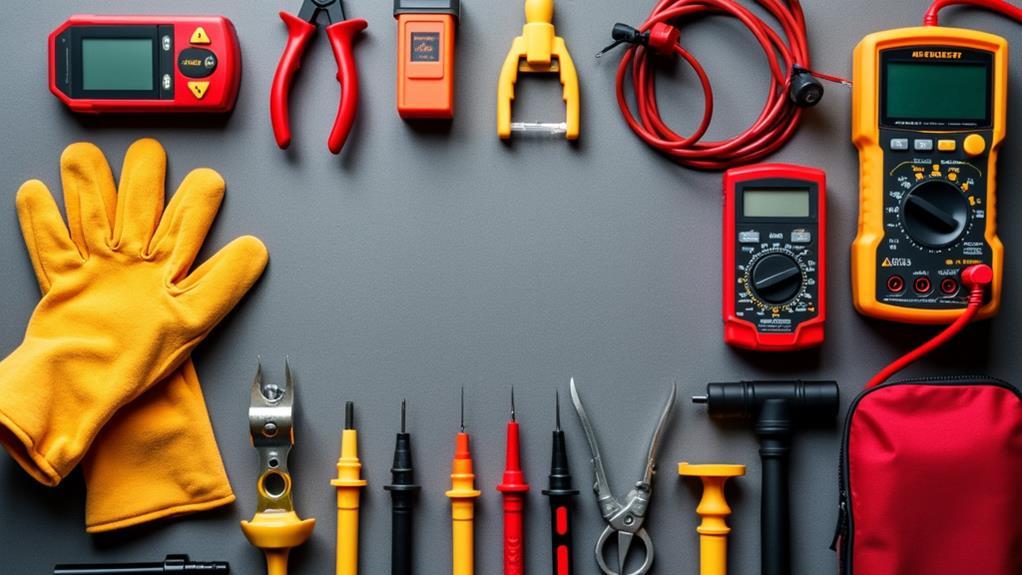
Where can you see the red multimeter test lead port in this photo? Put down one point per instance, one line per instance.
(132, 64)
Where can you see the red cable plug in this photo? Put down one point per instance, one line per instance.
(999, 6)
(976, 279)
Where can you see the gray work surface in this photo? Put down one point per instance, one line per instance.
(424, 259)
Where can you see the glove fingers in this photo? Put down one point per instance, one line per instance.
(89, 196)
(187, 220)
(212, 290)
(48, 241)
(140, 195)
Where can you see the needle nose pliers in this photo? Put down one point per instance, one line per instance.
(341, 33)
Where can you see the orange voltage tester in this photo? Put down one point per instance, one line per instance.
(425, 57)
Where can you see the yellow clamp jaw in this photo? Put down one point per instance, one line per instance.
(276, 528)
(538, 51)
(349, 484)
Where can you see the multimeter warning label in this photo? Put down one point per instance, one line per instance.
(425, 46)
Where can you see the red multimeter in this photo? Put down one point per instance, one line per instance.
(103, 64)
(774, 246)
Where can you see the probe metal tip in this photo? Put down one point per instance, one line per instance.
(463, 409)
(513, 417)
(557, 409)
(700, 399)
(403, 415)
(349, 415)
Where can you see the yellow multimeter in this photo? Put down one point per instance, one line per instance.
(928, 116)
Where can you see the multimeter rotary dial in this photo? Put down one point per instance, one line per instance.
(935, 213)
(775, 277)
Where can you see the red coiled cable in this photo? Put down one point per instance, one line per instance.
(787, 56)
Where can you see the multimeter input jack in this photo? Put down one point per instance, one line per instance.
(949, 286)
(895, 284)
(922, 285)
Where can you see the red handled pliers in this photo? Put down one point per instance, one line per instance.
(341, 33)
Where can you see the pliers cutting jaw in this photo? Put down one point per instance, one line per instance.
(341, 32)
(276, 527)
(624, 520)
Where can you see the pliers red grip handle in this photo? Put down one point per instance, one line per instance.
(342, 37)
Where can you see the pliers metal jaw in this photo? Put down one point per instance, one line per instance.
(341, 32)
(624, 520)
(276, 528)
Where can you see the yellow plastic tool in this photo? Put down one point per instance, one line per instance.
(463, 495)
(713, 508)
(538, 51)
(276, 528)
(349, 484)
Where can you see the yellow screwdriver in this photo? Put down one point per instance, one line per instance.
(349, 484)
(463, 494)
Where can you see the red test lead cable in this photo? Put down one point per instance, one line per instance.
(793, 85)
(514, 489)
(977, 278)
(999, 6)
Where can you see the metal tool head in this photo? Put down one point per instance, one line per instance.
(609, 506)
(311, 9)
(271, 425)
(271, 409)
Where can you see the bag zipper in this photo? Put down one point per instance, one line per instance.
(842, 541)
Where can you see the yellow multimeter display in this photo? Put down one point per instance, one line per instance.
(928, 115)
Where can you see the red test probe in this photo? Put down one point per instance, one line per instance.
(562, 501)
(514, 488)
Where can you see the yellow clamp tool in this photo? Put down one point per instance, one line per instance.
(713, 508)
(538, 50)
(276, 528)
(349, 484)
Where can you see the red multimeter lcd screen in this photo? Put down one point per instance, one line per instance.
(145, 64)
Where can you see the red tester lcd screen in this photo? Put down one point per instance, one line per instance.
(774, 240)
(145, 64)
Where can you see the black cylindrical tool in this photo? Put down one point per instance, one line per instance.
(776, 407)
(172, 564)
(403, 492)
(562, 501)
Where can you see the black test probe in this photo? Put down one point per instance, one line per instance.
(403, 492)
(562, 501)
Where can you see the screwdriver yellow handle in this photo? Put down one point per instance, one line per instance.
(349, 486)
(276, 561)
(276, 533)
(713, 508)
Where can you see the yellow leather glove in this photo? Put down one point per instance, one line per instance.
(122, 311)
(156, 458)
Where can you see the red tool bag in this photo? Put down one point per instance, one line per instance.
(931, 479)
(931, 470)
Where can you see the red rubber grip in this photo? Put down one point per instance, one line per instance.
(514, 529)
(298, 33)
(342, 38)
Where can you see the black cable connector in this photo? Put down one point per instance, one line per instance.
(805, 90)
(172, 564)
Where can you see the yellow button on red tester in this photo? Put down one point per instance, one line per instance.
(928, 117)
(425, 57)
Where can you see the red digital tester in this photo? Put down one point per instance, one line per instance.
(774, 246)
(130, 64)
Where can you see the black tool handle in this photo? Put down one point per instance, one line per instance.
(774, 431)
(401, 533)
(562, 549)
(172, 564)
